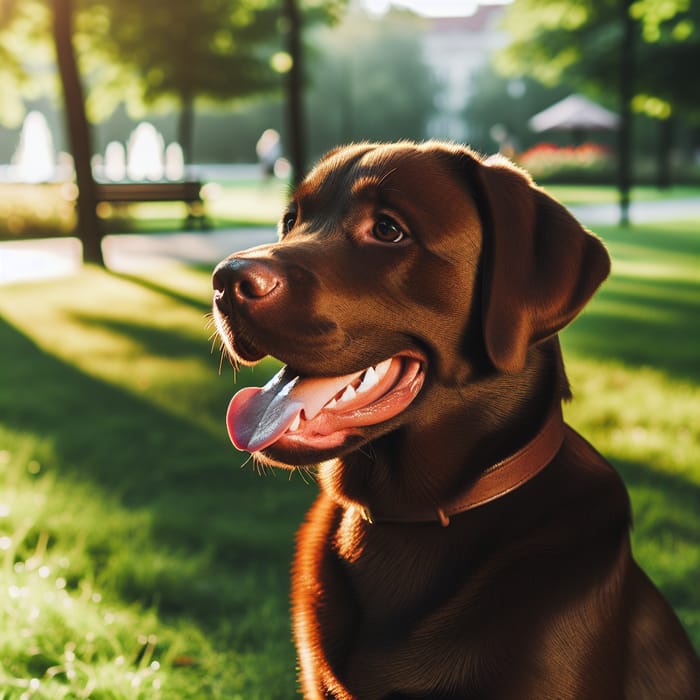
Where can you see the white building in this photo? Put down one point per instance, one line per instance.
(455, 48)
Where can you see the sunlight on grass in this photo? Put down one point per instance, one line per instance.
(255, 203)
(149, 340)
(637, 414)
(252, 203)
(58, 632)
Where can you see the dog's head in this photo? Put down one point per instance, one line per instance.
(400, 267)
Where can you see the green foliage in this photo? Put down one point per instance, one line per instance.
(668, 56)
(24, 52)
(149, 55)
(579, 41)
(178, 50)
(546, 39)
(36, 210)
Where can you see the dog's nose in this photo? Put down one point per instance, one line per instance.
(243, 280)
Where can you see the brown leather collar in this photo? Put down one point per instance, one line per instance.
(498, 480)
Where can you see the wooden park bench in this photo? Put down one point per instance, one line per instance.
(188, 192)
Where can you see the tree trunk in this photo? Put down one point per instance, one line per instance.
(295, 107)
(185, 129)
(89, 224)
(664, 150)
(626, 92)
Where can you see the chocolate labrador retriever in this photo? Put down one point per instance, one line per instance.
(466, 543)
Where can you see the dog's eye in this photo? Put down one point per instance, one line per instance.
(288, 221)
(387, 230)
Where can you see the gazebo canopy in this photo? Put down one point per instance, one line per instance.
(574, 113)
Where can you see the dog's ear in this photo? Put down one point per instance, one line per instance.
(540, 265)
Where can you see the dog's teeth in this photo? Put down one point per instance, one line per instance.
(382, 368)
(368, 381)
(348, 394)
(331, 403)
(295, 424)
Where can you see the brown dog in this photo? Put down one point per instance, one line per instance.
(465, 543)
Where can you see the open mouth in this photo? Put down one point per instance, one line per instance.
(320, 412)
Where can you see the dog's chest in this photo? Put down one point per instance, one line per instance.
(396, 572)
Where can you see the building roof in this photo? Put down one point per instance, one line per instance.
(483, 19)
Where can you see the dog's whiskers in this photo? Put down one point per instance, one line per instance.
(306, 474)
(262, 469)
(222, 354)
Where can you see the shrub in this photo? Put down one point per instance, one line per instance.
(28, 211)
(588, 162)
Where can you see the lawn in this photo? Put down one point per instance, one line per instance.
(142, 557)
(607, 194)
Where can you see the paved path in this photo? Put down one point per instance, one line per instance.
(640, 212)
(55, 257)
(130, 253)
(58, 257)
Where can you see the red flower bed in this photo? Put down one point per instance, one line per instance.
(545, 160)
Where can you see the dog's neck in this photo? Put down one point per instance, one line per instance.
(495, 482)
(403, 477)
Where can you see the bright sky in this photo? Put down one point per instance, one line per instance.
(431, 8)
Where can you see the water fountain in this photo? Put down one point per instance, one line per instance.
(174, 162)
(114, 167)
(144, 158)
(144, 154)
(35, 158)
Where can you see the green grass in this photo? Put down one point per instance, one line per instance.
(633, 361)
(139, 560)
(607, 194)
(125, 515)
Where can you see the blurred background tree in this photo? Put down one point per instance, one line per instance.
(503, 106)
(368, 81)
(640, 53)
(24, 50)
(174, 52)
(89, 224)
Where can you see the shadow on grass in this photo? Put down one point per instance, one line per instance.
(631, 318)
(648, 312)
(666, 524)
(669, 512)
(153, 340)
(190, 482)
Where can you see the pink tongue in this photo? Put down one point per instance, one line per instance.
(256, 417)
